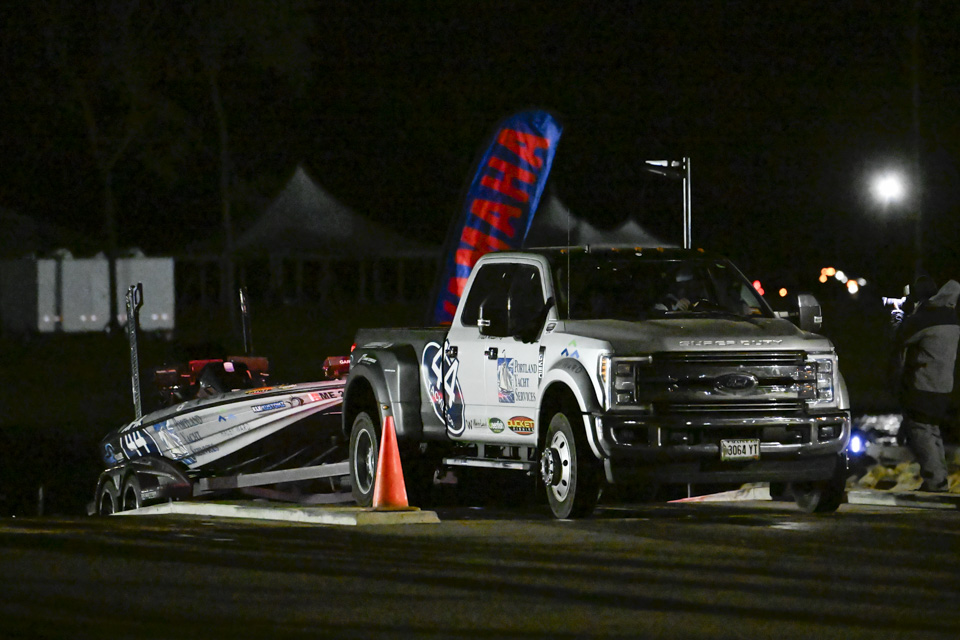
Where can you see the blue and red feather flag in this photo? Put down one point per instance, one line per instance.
(500, 203)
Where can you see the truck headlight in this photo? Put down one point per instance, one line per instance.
(619, 379)
(826, 378)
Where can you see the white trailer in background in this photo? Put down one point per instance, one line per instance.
(72, 295)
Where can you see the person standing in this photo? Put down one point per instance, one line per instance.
(927, 342)
(923, 287)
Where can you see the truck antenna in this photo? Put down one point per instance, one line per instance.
(568, 265)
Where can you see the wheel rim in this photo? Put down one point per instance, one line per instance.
(550, 466)
(130, 499)
(563, 465)
(106, 504)
(366, 462)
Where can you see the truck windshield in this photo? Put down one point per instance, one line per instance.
(628, 286)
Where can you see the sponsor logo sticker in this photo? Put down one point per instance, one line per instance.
(570, 351)
(496, 425)
(317, 396)
(521, 425)
(250, 392)
(506, 380)
(271, 406)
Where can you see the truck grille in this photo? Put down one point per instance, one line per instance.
(772, 383)
(771, 408)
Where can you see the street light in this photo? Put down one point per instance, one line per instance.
(677, 169)
(889, 187)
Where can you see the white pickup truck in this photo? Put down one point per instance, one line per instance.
(585, 366)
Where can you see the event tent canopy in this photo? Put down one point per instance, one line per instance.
(305, 220)
(555, 225)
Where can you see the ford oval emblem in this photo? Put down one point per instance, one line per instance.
(736, 382)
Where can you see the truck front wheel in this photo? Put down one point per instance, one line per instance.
(824, 496)
(364, 447)
(569, 471)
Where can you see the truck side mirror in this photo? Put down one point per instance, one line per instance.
(809, 313)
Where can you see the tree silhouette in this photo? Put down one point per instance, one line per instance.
(227, 39)
(106, 55)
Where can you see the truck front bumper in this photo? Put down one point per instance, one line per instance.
(688, 450)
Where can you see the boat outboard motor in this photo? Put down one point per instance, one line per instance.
(221, 377)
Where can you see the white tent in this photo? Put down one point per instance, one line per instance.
(305, 220)
(555, 225)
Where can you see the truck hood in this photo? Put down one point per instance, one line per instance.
(700, 334)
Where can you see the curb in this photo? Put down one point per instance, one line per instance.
(875, 497)
(916, 499)
(344, 516)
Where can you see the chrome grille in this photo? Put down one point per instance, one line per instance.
(730, 382)
(774, 407)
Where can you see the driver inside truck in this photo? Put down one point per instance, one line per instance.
(682, 293)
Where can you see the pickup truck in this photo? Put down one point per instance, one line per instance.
(592, 366)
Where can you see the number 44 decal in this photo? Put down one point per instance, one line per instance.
(134, 442)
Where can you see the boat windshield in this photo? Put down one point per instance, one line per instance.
(631, 286)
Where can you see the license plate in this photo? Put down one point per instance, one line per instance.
(740, 449)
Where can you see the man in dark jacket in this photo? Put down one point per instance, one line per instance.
(928, 340)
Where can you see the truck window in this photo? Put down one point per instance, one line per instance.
(511, 292)
(526, 298)
(491, 280)
(624, 286)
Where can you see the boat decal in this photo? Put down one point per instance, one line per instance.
(270, 406)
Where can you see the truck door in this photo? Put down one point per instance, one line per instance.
(512, 361)
(499, 367)
(468, 351)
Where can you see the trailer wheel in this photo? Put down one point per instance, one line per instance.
(130, 498)
(107, 500)
(569, 471)
(364, 448)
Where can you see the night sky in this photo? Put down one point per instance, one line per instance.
(785, 108)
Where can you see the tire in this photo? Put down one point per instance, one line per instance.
(569, 471)
(107, 499)
(824, 496)
(130, 497)
(364, 449)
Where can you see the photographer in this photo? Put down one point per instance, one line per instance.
(923, 288)
(926, 343)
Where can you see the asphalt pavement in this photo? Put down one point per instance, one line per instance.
(747, 569)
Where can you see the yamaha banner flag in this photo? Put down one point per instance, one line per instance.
(501, 201)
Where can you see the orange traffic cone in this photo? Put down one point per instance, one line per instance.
(389, 492)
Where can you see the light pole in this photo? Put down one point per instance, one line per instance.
(678, 169)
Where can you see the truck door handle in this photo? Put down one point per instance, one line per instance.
(491, 353)
(451, 352)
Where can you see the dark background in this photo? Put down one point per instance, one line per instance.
(786, 110)
(157, 118)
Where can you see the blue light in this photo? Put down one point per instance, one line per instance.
(856, 444)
